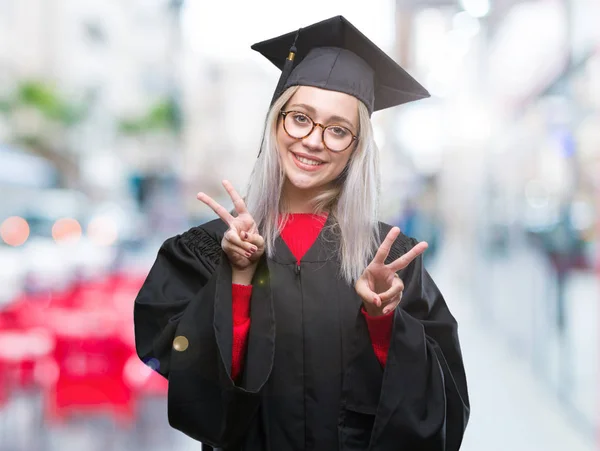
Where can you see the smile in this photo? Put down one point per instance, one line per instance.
(306, 163)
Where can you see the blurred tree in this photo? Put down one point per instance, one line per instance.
(158, 132)
(40, 120)
(48, 101)
(163, 116)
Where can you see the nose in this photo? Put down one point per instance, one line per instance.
(315, 139)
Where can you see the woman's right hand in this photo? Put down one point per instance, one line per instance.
(242, 243)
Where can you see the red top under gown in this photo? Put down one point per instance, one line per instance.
(299, 233)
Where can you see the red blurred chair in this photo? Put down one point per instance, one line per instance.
(90, 358)
(20, 352)
(3, 385)
(84, 358)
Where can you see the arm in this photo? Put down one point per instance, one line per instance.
(380, 332)
(421, 402)
(425, 341)
(183, 328)
(241, 326)
(241, 291)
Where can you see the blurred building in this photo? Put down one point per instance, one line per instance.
(512, 135)
(225, 104)
(119, 59)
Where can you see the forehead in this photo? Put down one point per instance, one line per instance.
(326, 103)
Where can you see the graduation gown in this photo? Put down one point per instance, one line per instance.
(311, 380)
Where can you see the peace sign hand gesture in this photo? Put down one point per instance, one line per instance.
(379, 286)
(241, 243)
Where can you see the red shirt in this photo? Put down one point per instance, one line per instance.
(299, 233)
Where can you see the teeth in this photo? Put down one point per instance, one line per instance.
(307, 161)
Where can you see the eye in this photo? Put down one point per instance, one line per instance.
(301, 118)
(338, 132)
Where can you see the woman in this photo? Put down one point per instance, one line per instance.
(289, 324)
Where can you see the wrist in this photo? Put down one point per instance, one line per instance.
(243, 276)
(376, 312)
(372, 310)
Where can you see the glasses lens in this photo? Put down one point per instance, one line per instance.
(337, 138)
(298, 125)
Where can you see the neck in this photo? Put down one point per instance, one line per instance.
(298, 200)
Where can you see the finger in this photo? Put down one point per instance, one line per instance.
(238, 251)
(253, 238)
(238, 202)
(234, 238)
(403, 261)
(392, 305)
(392, 292)
(366, 294)
(216, 207)
(386, 245)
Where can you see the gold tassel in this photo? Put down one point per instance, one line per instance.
(287, 69)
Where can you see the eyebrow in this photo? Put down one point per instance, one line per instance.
(331, 118)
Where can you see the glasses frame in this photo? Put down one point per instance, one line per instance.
(323, 128)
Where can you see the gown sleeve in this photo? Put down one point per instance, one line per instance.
(420, 399)
(183, 329)
(380, 332)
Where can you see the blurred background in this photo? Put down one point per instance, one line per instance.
(115, 113)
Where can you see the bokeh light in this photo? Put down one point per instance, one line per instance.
(102, 231)
(66, 230)
(14, 231)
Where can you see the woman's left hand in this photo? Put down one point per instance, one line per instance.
(379, 287)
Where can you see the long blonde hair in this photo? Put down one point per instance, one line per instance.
(352, 199)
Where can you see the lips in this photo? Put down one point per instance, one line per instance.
(307, 157)
(306, 167)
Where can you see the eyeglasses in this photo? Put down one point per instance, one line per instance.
(336, 138)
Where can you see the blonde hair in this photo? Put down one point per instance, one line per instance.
(352, 199)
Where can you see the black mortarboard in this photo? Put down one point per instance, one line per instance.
(335, 55)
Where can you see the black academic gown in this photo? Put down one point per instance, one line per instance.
(311, 380)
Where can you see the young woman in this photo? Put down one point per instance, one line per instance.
(298, 321)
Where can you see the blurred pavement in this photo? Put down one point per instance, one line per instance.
(510, 408)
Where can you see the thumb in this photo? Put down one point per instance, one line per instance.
(366, 294)
(391, 293)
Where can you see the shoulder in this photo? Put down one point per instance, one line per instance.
(213, 230)
(401, 246)
(203, 240)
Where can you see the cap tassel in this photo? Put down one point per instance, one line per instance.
(287, 69)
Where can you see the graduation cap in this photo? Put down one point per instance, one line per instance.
(333, 54)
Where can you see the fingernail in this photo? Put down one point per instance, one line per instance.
(245, 235)
(253, 248)
(248, 255)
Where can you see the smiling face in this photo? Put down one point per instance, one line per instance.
(308, 165)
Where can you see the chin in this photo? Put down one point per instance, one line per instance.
(301, 182)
